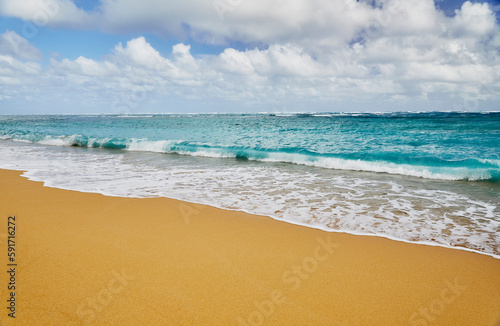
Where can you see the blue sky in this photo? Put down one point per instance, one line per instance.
(248, 56)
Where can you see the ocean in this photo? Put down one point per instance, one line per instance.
(431, 178)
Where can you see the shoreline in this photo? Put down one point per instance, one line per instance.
(87, 258)
(425, 243)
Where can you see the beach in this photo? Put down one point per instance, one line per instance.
(90, 259)
(250, 163)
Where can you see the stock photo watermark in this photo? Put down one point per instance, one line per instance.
(292, 278)
(429, 313)
(120, 281)
(223, 6)
(188, 210)
(11, 266)
(472, 103)
(382, 18)
(95, 304)
(47, 9)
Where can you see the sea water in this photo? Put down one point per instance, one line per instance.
(421, 177)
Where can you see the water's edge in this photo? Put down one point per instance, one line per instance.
(426, 243)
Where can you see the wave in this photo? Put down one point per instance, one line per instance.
(472, 170)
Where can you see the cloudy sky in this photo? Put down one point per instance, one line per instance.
(129, 56)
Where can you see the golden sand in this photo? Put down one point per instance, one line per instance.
(88, 259)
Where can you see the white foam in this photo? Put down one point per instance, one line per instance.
(323, 162)
(378, 167)
(57, 141)
(346, 202)
(141, 145)
(491, 161)
(207, 150)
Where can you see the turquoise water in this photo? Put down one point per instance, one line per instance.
(450, 146)
(422, 177)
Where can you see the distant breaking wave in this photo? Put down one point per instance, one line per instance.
(429, 168)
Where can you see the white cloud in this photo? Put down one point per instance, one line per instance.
(318, 53)
(312, 24)
(139, 52)
(56, 13)
(325, 22)
(474, 20)
(17, 46)
(410, 17)
(15, 72)
(83, 67)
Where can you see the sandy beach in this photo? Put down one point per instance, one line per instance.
(88, 259)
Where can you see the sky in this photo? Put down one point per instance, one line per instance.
(152, 56)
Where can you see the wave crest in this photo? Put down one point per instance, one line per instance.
(486, 169)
